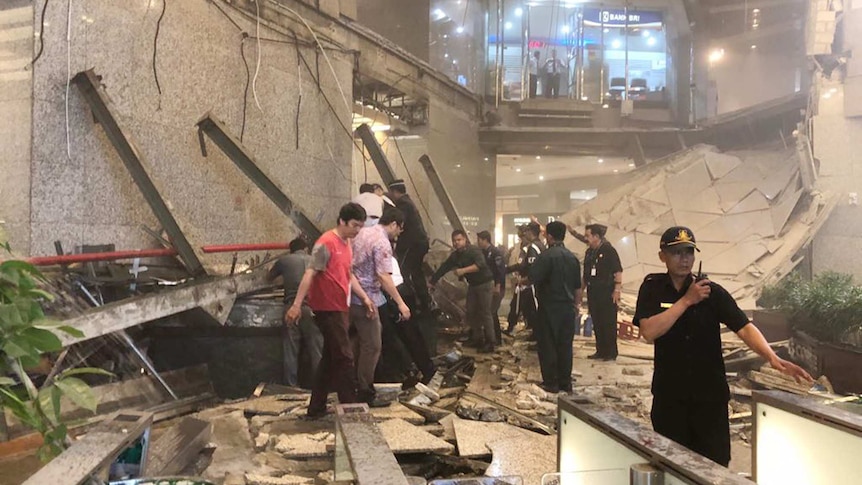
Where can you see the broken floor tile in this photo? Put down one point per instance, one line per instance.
(529, 457)
(755, 201)
(305, 445)
(397, 411)
(403, 437)
(720, 164)
(472, 436)
(234, 446)
(254, 479)
(732, 193)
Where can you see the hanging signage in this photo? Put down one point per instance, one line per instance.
(617, 18)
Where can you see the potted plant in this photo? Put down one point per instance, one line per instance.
(25, 336)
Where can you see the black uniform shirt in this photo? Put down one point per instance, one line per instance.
(414, 229)
(556, 275)
(494, 260)
(527, 257)
(688, 359)
(600, 264)
(461, 259)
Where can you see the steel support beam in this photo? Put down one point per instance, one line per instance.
(442, 193)
(123, 314)
(376, 153)
(88, 84)
(234, 150)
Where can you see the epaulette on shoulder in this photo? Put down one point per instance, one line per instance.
(653, 276)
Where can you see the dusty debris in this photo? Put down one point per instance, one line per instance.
(305, 445)
(472, 436)
(529, 457)
(403, 437)
(633, 371)
(261, 441)
(613, 393)
(254, 479)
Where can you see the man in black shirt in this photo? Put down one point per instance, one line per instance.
(556, 276)
(468, 262)
(527, 302)
(494, 260)
(603, 276)
(412, 244)
(681, 313)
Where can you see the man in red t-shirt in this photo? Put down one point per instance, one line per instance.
(328, 282)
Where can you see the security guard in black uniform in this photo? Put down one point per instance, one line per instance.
(556, 276)
(681, 312)
(603, 277)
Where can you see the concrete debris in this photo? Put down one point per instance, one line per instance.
(261, 441)
(425, 390)
(529, 457)
(397, 411)
(633, 371)
(613, 393)
(387, 393)
(472, 436)
(233, 479)
(233, 445)
(525, 404)
(508, 374)
(305, 445)
(253, 479)
(403, 437)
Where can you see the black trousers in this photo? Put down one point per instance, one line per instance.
(534, 85)
(555, 331)
(604, 313)
(405, 336)
(527, 306)
(553, 85)
(410, 260)
(701, 426)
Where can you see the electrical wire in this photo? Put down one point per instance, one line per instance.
(247, 82)
(68, 74)
(41, 34)
(257, 68)
(410, 177)
(156, 49)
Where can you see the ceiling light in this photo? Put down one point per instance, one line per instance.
(631, 165)
(753, 46)
(508, 25)
(607, 31)
(460, 29)
(541, 177)
(538, 157)
(716, 55)
(446, 55)
(519, 11)
(646, 33)
(651, 41)
(518, 169)
(616, 44)
(566, 29)
(454, 61)
(486, 159)
(601, 160)
(458, 165)
(756, 10)
(440, 14)
(616, 171)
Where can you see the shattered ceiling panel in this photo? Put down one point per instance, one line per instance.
(740, 206)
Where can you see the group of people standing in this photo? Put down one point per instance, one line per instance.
(353, 285)
(551, 71)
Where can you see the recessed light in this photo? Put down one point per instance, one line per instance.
(458, 166)
(616, 171)
(519, 11)
(508, 25)
(541, 177)
(486, 159)
(460, 30)
(631, 165)
(518, 169)
(601, 160)
(538, 157)
(753, 46)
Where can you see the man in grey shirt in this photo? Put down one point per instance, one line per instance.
(304, 339)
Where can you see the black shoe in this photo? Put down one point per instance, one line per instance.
(366, 395)
(410, 382)
(595, 356)
(549, 388)
(486, 349)
(313, 414)
(609, 359)
(427, 378)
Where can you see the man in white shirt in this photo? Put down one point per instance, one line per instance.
(533, 65)
(553, 69)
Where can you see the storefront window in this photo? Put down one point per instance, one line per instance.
(457, 41)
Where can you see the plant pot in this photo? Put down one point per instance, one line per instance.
(773, 324)
(840, 363)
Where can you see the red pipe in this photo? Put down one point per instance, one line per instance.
(235, 248)
(109, 256)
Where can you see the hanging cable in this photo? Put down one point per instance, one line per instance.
(41, 34)
(247, 82)
(257, 68)
(299, 85)
(156, 49)
(68, 74)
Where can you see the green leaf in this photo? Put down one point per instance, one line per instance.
(85, 370)
(79, 392)
(10, 315)
(6, 381)
(48, 405)
(42, 340)
(18, 347)
(20, 267)
(71, 331)
(37, 293)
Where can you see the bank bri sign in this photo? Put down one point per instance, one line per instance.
(617, 18)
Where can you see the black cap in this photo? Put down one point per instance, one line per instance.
(398, 185)
(678, 236)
